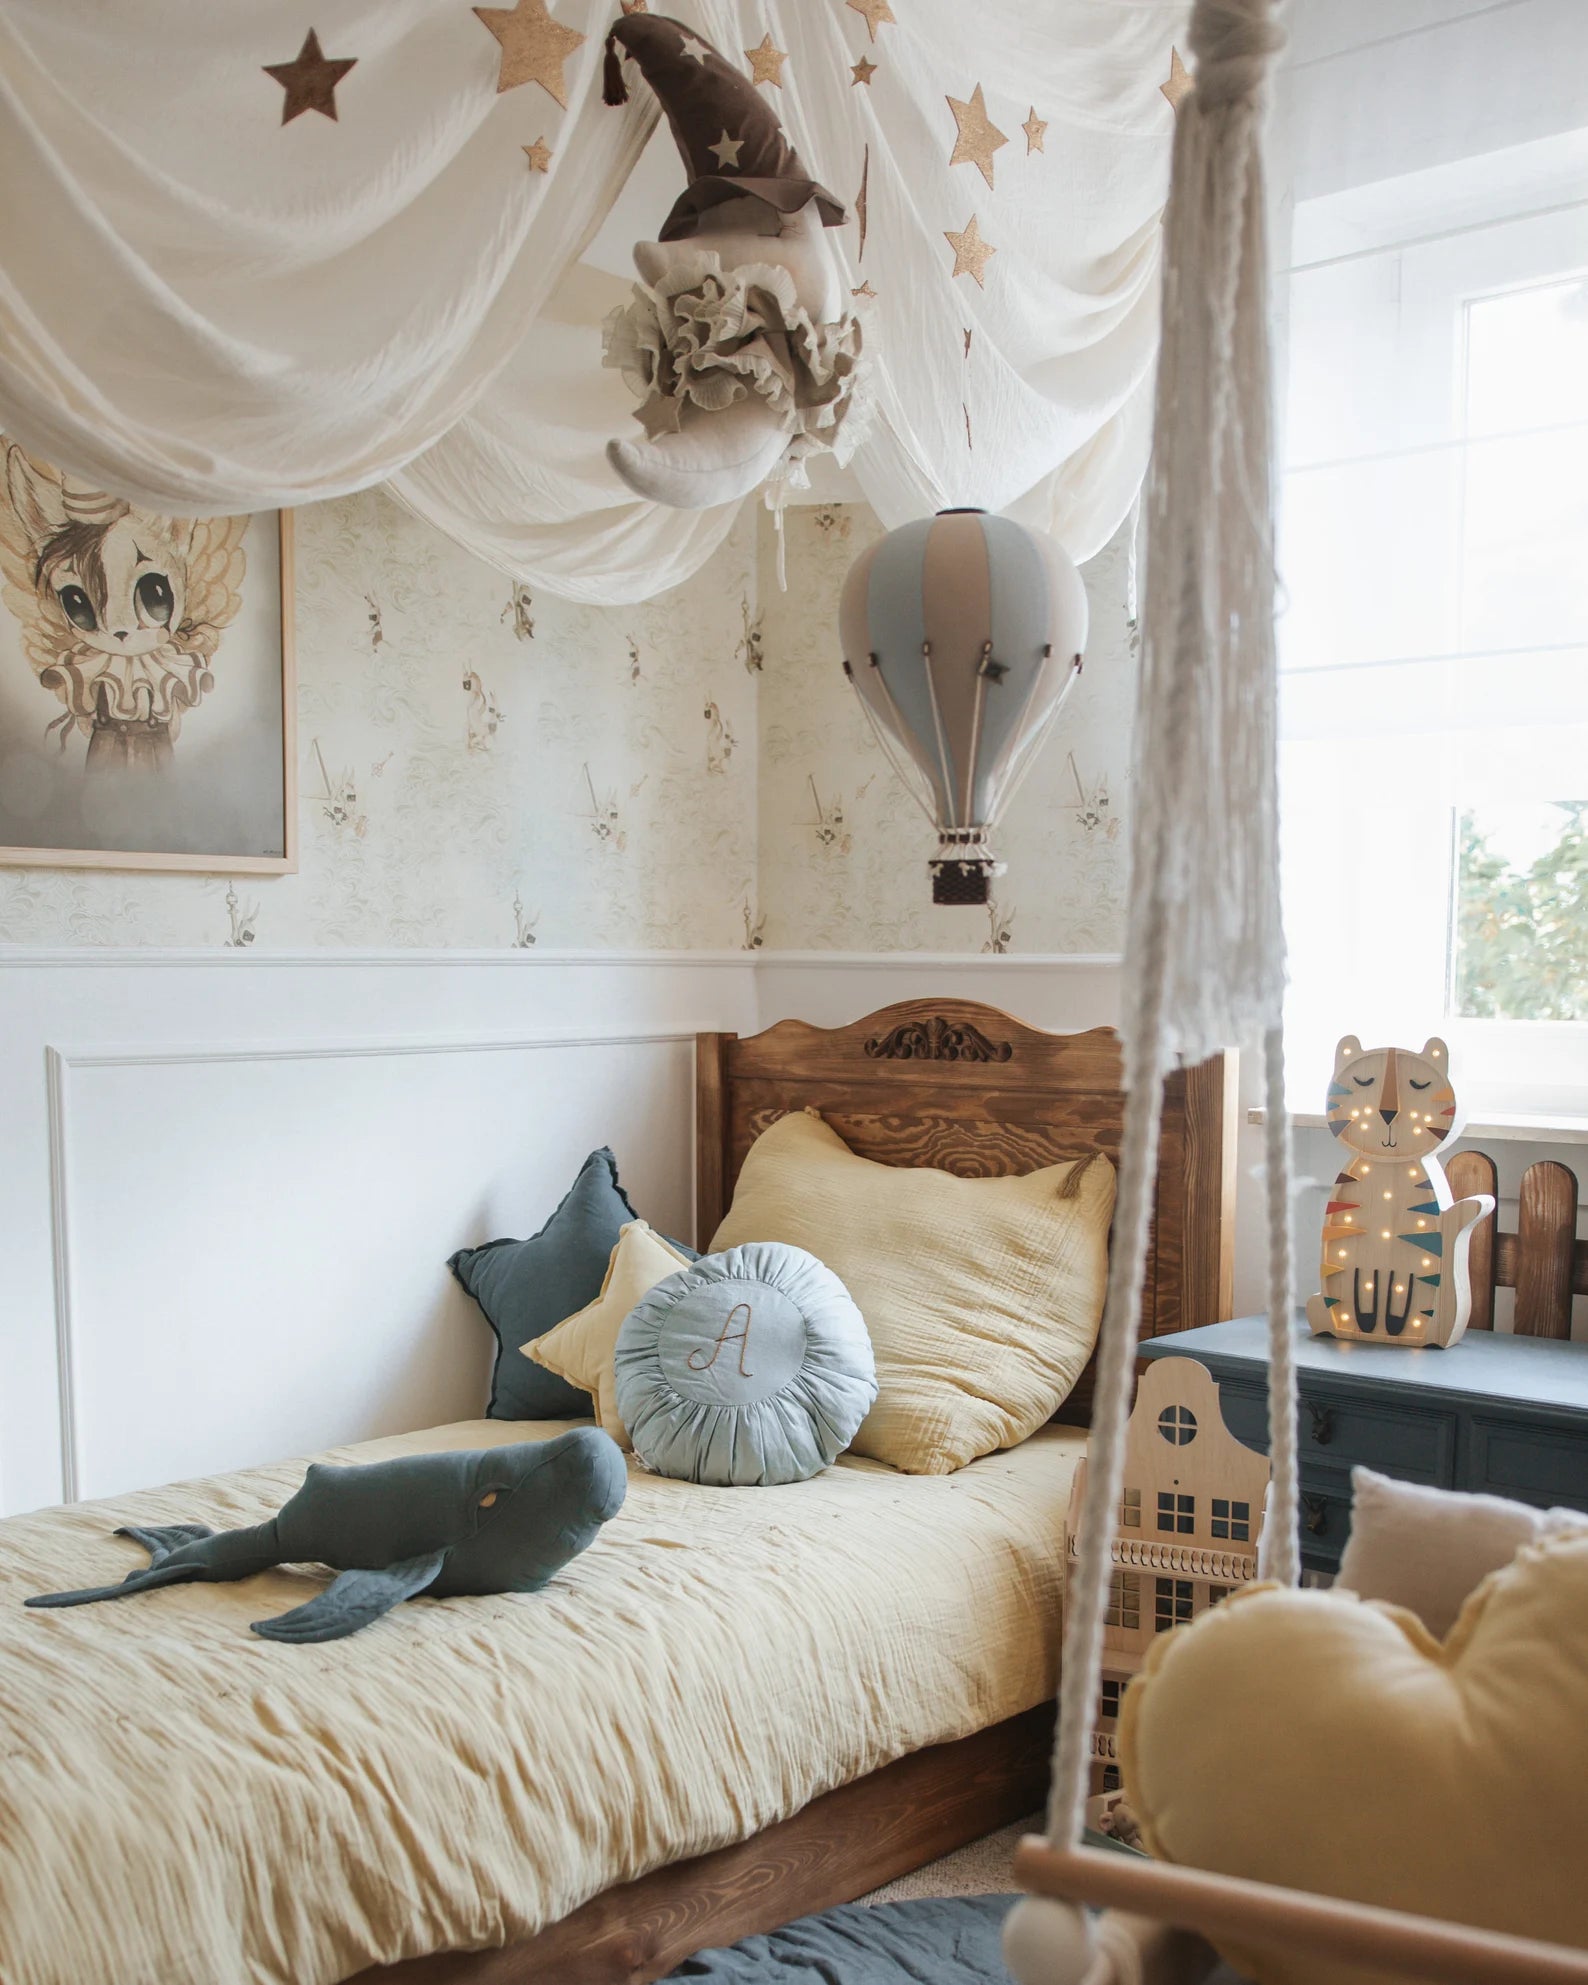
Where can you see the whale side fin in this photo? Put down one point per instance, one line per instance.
(354, 1599)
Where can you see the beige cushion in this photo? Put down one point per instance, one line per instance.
(982, 1296)
(1322, 1742)
(1427, 1549)
(582, 1348)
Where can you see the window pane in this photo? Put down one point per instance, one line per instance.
(1527, 358)
(1521, 938)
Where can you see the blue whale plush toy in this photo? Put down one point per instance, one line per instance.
(497, 1519)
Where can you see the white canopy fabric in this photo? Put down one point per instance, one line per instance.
(207, 309)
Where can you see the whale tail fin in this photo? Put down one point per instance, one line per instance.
(179, 1552)
(354, 1599)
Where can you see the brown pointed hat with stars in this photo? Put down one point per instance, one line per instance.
(727, 133)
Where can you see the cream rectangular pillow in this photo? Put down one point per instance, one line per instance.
(982, 1296)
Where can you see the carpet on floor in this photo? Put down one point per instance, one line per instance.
(929, 1940)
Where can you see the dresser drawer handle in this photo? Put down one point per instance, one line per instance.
(1322, 1424)
(1315, 1514)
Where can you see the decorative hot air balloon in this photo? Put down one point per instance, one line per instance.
(963, 635)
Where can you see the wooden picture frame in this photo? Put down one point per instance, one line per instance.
(246, 774)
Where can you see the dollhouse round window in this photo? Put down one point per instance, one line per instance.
(1178, 1425)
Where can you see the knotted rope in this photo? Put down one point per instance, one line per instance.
(1204, 956)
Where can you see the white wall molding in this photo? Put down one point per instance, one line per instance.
(63, 1062)
(76, 957)
(997, 963)
(192, 1159)
(80, 1465)
(361, 1050)
(56, 1067)
(49, 957)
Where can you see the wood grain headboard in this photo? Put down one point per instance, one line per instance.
(959, 1085)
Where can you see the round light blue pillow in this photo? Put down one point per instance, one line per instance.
(747, 1368)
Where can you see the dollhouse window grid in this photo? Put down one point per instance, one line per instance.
(1174, 1602)
(1177, 1514)
(1124, 1601)
(1232, 1520)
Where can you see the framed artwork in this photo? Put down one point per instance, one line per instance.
(147, 691)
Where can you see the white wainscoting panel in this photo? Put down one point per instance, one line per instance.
(229, 1184)
(255, 1241)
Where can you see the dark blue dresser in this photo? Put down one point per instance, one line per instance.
(1508, 1415)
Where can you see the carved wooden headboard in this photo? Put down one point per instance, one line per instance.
(959, 1085)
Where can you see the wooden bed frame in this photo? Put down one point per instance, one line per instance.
(964, 1087)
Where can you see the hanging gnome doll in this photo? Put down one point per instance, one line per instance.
(737, 340)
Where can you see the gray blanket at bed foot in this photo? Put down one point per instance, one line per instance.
(931, 1940)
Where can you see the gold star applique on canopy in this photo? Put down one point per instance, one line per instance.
(310, 81)
(1036, 129)
(692, 46)
(1179, 85)
(875, 13)
(866, 291)
(978, 136)
(970, 251)
(535, 45)
(766, 62)
(539, 155)
(863, 71)
(636, 6)
(726, 151)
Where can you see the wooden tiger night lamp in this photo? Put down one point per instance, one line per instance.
(1394, 1264)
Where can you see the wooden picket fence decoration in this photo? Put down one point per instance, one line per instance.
(1543, 1261)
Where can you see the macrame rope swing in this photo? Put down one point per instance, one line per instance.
(1204, 955)
(1204, 970)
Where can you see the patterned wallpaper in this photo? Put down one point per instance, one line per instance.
(479, 768)
(476, 767)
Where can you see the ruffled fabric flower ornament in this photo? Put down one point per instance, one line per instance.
(738, 343)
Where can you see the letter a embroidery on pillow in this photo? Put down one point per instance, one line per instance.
(728, 1335)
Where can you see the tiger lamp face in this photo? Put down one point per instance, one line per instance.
(1388, 1102)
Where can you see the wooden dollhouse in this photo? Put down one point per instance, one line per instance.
(1186, 1531)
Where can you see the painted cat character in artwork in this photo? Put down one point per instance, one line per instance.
(1394, 1263)
(121, 611)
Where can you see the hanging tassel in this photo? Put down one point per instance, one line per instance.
(613, 88)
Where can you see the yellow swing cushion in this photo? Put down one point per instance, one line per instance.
(1328, 1743)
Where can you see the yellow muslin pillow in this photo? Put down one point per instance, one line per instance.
(1331, 1743)
(583, 1347)
(982, 1296)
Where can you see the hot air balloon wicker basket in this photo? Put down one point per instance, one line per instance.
(963, 869)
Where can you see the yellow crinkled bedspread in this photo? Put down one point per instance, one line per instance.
(183, 1803)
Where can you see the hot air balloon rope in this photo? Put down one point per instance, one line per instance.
(942, 741)
(908, 772)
